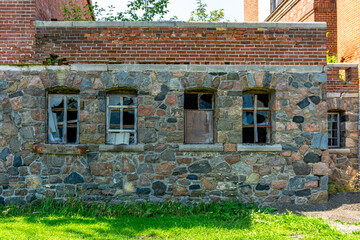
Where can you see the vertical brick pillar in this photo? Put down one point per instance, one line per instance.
(251, 10)
(17, 31)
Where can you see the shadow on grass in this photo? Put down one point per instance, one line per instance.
(132, 227)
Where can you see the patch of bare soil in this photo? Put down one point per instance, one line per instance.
(341, 207)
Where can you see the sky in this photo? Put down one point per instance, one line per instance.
(233, 9)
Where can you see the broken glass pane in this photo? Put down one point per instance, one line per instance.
(129, 119)
(248, 101)
(205, 101)
(56, 119)
(262, 118)
(190, 101)
(262, 135)
(72, 103)
(248, 118)
(114, 100)
(115, 119)
(128, 101)
(248, 135)
(262, 101)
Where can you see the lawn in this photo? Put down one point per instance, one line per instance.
(251, 223)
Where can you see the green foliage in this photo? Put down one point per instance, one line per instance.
(55, 59)
(73, 12)
(331, 58)
(200, 14)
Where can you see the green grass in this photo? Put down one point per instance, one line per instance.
(78, 220)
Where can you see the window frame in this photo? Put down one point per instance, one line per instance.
(255, 110)
(65, 122)
(121, 108)
(338, 130)
(198, 93)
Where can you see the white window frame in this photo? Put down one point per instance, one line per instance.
(64, 130)
(121, 107)
(331, 130)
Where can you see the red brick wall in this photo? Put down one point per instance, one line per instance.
(325, 11)
(349, 30)
(17, 31)
(251, 10)
(335, 85)
(51, 9)
(183, 45)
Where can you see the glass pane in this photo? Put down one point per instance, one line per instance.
(115, 119)
(335, 117)
(190, 101)
(262, 118)
(56, 119)
(128, 119)
(262, 101)
(248, 135)
(248, 118)
(334, 142)
(72, 103)
(248, 101)
(128, 101)
(205, 101)
(263, 135)
(71, 134)
(114, 100)
(132, 138)
(329, 117)
(334, 126)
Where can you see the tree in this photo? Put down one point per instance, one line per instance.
(200, 14)
(137, 10)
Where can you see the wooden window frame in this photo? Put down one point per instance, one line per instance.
(121, 107)
(254, 110)
(65, 122)
(331, 130)
(198, 93)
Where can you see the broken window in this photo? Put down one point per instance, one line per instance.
(121, 119)
(63, 118)
(256, 118)
(334, 129)
(199, 117)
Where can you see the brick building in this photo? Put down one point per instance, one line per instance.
(342, 18)
(166, 110)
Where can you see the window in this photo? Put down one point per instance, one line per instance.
(334, 129)
(199, 117)
(256, 118)
(121, 119)
(63, 118)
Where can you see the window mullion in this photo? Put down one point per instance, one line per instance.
(338, 130)
(255, 120)
(65, 120)
(121, 113)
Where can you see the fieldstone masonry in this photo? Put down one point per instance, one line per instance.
(160, 167)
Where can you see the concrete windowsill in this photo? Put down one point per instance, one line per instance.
(59, 149)
(122, 148)
(201, 148)
(259, 148)
(344, 151)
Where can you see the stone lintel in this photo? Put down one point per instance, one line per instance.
(219, 26)
(344, 151)
(122, 148)
(168, 68)
(201, 148)
(259, 148)
(333, 95)
(342, 65)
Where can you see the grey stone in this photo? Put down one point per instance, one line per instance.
(267, 80)
(4, 153)
(152, 158)
(4, 179)
(245, 189)
(299, 140)
(192, 177)
(288, 192)
(315, 99)
(295, 183)
(304, 192)
(27, 132)
(312, 158)
(159, 188)
(194, 187)
(148, 136)
(2, 201)
(242, 168)
(17, 160)
(74, 178)
(324, 182)
(200, 167)
(298, 119)
(168, 155)
(320, 141)
(304, 103)
(92, 156)
(143, 190)
(234, 93)
(223, 167)
(55, 179)
(287, 147)
(308, 84)
(260, 187)
(301, 168)
(86, 84)
(117, 181)
(172, 120)
(163, 106)
(13, 171)
(145, 168)
(179, 171)
(233, 76)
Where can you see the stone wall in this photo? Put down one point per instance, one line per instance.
(160, 166)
